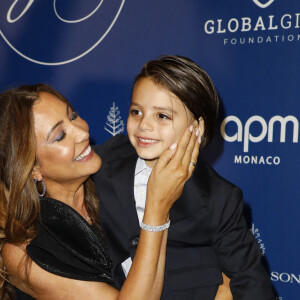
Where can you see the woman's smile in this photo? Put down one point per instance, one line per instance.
(85, 154)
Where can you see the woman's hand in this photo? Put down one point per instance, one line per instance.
(169, 175)
(224, 292)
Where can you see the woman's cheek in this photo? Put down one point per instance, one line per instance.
(85, 125)
(67, 152)
(62, 153)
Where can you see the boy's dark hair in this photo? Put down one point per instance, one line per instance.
(190, 83)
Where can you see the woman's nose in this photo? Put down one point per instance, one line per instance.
(81, 134)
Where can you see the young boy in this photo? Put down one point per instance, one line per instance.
(208, 233)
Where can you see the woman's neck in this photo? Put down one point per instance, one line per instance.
(71, 195)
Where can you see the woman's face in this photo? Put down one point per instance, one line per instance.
(63, 147)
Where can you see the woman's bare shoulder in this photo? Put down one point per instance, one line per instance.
(12, 256)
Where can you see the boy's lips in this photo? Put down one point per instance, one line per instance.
(145, 141)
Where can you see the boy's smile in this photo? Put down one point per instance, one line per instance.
(157, 119)
(146, 142)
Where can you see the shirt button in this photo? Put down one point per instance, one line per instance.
(135, 241)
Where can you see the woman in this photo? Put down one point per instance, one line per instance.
(51, 241)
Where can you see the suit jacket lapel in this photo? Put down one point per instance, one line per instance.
(193, 198)
(194, 195)
(122, 176)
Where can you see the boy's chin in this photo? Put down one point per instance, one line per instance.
(150, 160)
(147, 154)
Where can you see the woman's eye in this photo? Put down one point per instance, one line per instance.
(60, 137)
(73, 116)
(164, 117)
(135, 112)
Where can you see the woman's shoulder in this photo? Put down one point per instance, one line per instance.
(42, 281)
(12, 255)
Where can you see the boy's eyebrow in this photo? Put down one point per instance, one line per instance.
(135, 104)
(165, 108)
(170, 109)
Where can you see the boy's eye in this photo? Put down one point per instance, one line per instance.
(73, 116)
(60, 137)
(135, 112)
(164, 117)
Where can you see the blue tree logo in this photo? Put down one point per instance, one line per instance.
(114, 124)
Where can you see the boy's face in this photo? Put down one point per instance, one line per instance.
(157, 119)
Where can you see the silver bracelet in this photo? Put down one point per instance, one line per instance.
(155, 228)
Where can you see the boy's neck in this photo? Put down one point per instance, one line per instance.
(150, 163)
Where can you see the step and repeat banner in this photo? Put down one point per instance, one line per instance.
(91, 51)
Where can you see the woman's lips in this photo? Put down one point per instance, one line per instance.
(85, 155)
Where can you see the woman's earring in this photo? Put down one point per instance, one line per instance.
(44, 187)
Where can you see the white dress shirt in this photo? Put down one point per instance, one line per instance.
(141, 177)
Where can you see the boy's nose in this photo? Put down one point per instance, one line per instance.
(145, 124)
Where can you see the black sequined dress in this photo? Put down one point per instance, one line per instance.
(68, 246)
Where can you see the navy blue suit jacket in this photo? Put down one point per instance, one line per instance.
(207, 236)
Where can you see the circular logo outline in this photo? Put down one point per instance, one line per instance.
(258, 3)
(71, 59)
(75, 21)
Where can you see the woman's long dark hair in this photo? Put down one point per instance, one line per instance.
(19, 201)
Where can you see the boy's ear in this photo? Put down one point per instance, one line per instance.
(35, 173)
(201, 125)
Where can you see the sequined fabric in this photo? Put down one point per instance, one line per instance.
(69, 246)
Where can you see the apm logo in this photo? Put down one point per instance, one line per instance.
(255, 130)
(263, 5)
(245, 135)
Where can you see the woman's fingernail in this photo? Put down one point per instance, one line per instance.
(191, 128)
(197, 132)
(199, 139)
(172, 147)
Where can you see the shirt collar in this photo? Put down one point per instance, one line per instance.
(140, 166)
